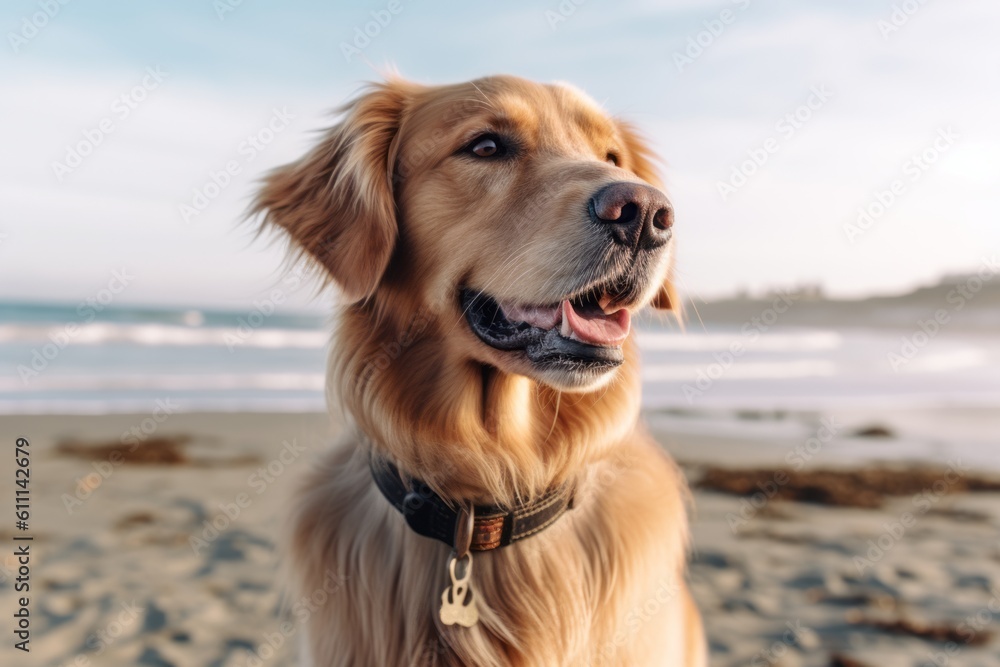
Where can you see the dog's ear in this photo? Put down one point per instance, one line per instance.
(641, 159)
(667, 298)
(336, 203)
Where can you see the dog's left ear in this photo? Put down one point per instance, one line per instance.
(641, 163)
(337, 203)
(666, 298)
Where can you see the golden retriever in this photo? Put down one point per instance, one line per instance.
(492, 240)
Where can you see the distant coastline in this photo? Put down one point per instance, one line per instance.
(971, 302)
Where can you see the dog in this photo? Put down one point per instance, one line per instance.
(493, 501)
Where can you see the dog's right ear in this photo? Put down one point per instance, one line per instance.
(337, 203)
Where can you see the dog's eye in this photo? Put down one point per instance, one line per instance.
(488, 145)
(612, 158)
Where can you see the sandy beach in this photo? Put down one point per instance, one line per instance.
(164, 549)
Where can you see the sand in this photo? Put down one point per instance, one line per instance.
(127, 568)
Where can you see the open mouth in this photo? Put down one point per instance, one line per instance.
(582, 331)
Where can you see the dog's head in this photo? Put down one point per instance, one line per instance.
(520, 221)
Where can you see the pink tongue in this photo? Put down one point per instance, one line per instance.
(596, 327)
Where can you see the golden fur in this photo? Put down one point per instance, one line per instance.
(399, 222)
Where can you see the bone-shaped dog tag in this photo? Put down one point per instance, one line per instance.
(458, 602)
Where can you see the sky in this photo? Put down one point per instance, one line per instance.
(853, 145)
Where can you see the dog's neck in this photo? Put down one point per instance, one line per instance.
(470, 431)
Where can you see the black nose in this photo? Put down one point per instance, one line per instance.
(635, 214)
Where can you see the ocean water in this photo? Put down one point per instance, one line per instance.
(69, 360)
(57, 359)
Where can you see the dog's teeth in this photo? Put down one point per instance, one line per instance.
(604, 301)
(564, 329)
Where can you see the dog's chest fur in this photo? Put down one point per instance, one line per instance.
(600, 587)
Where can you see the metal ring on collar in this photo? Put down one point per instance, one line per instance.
(464, 523)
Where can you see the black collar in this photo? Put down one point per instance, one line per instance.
(431, 516)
